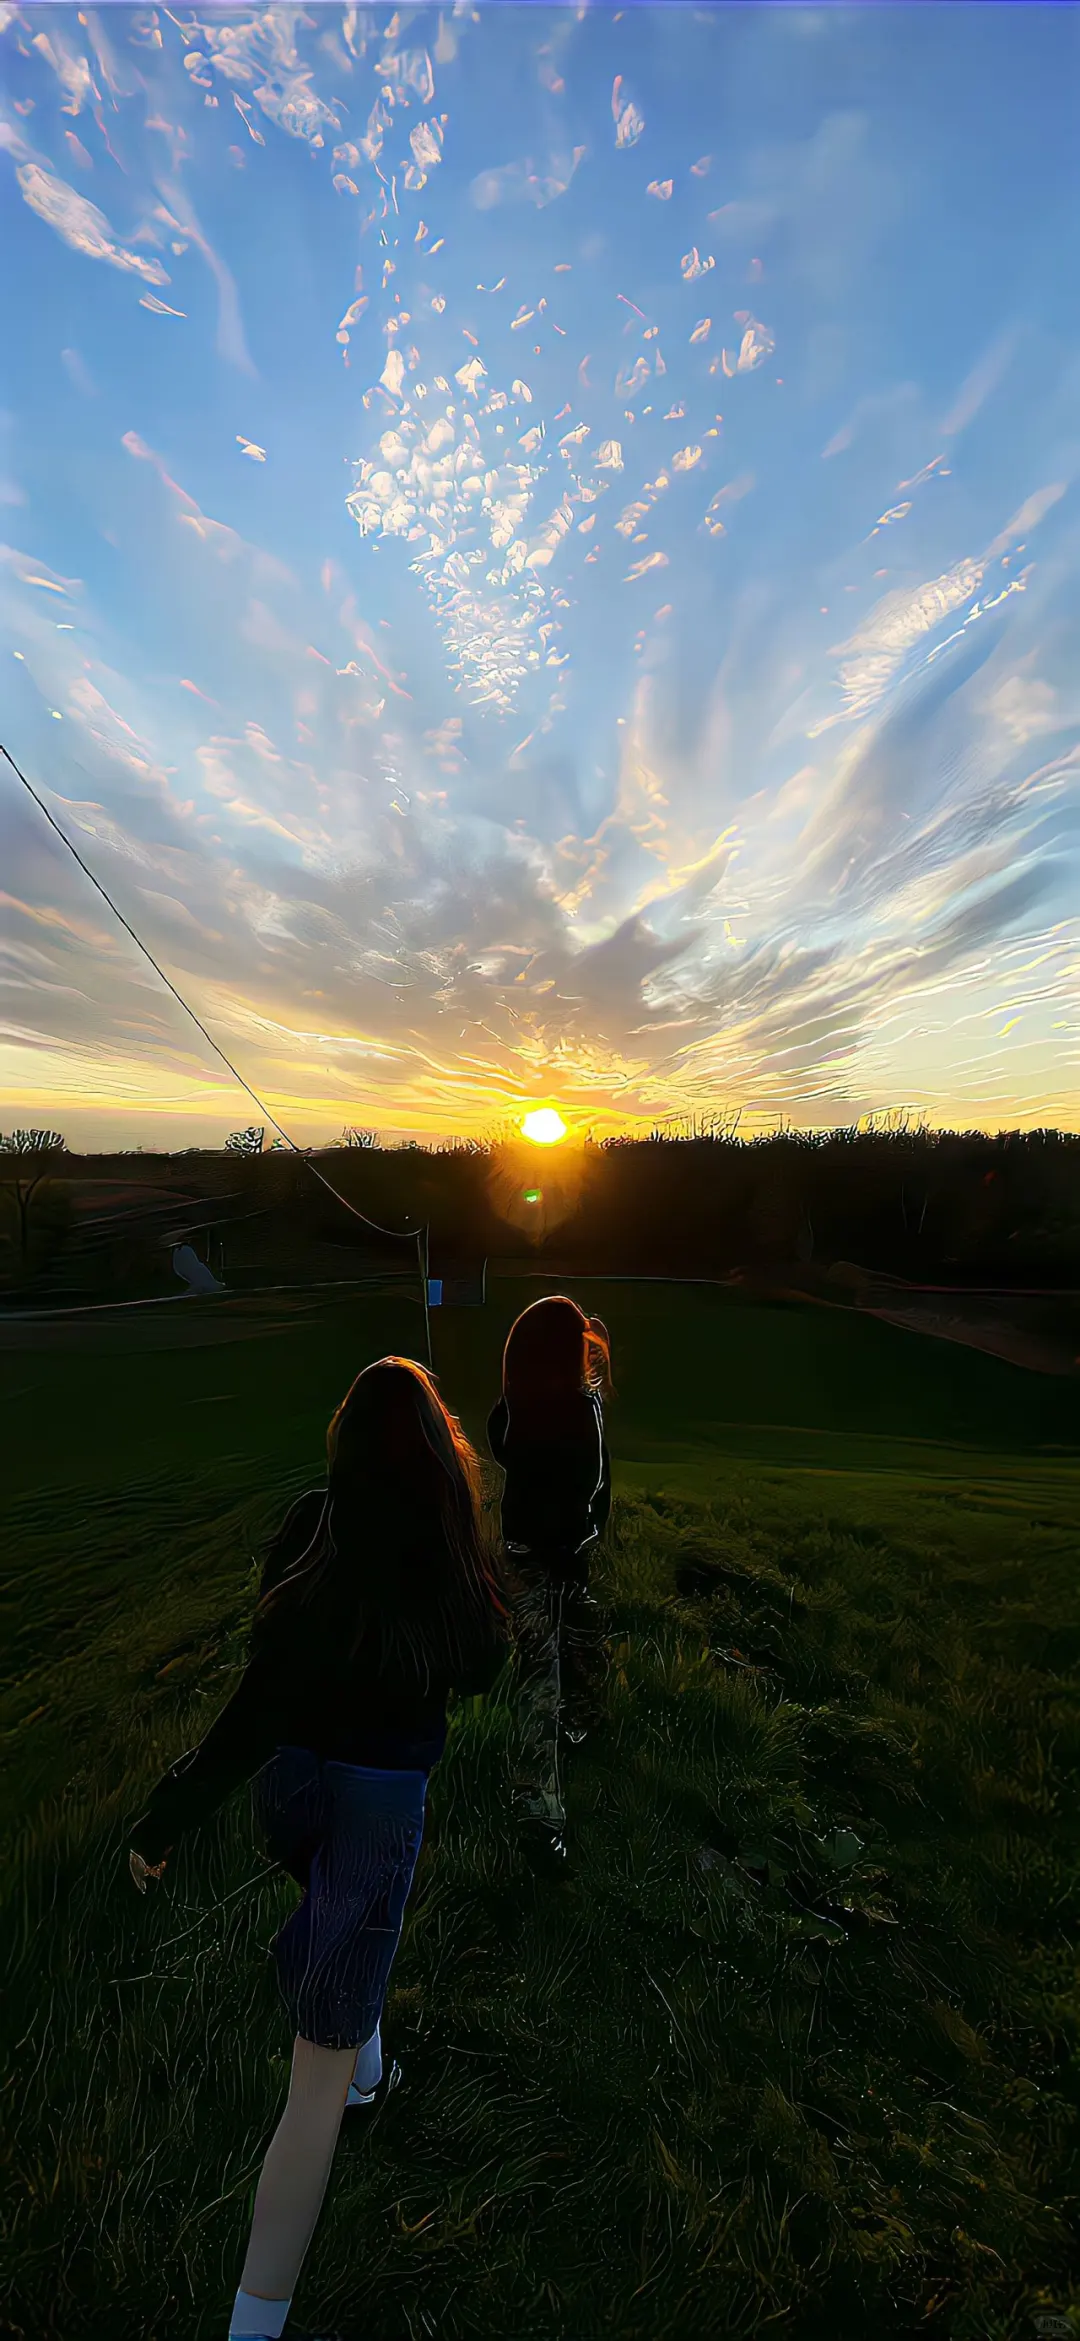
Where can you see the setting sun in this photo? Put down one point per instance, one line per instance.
(545, 1127)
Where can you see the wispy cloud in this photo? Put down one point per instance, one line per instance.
(80, 223)
(978, 385)
(177, 214)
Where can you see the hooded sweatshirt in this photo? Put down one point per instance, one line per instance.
(300, 1689)
(557, 1494)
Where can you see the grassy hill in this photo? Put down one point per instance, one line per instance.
(793, 2045)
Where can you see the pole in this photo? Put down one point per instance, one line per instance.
(423, 1235)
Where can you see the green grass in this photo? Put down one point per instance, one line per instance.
(794, 2047)
(697, 1366)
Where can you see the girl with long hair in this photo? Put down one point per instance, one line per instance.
(377, 1598)
(547, 1434)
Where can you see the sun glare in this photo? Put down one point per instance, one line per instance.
(545, 1127)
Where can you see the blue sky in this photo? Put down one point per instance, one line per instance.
(540, 564)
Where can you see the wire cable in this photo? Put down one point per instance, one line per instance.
(419, 1236)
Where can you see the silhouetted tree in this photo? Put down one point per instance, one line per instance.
(37, 1152)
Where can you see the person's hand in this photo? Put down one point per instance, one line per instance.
(141, 1870)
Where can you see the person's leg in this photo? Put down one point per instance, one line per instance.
(334, 1956)
(536, 1622)
(584, 1657)
(291, 2189)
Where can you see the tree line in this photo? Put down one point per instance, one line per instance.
(936, 1206)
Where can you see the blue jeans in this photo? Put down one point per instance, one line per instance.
(350, 1837)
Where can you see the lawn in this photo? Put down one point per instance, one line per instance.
(792, 2047)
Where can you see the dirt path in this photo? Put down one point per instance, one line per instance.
(1037, 1330)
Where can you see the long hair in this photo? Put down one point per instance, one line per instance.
(399, 1553)
(555, 1357)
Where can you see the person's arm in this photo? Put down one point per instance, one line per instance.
(497, 1425)
(292, 1538)
(244, 1737)
(601, 1509)
(484, 1664)
(599, 1468)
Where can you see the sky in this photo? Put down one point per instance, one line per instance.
(539, 564)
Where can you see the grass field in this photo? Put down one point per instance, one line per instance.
(794, 2047)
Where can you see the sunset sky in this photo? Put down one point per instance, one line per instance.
(539, 565)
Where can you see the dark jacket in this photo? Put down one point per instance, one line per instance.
(557, 1495)
(296, 1692)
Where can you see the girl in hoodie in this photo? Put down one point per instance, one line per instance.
(377, 1598)
(547, 1433)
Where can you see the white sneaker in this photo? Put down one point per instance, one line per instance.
(361, 2104)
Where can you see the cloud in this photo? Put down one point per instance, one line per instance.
(473, 817)
(115, 742)
(72, 71)
(177, 213)
(1025, 708)
(982, 380)
(261, 55)
(27, 569)
(904, 618)
(144, 454)
(225, 542)
(78, 372)
(80, 223)
(830, 197)
(11, 140)
(1033, 509)
(523, 182)
(895, 625)
(888, 406)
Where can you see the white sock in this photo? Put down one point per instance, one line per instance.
(257, 2320)
(367, 2071)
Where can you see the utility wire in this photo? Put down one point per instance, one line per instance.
(396, 1235)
